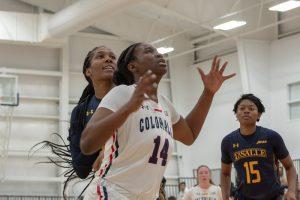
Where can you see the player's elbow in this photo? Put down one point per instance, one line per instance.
(82, 174)
(188, 142)
(84, 147)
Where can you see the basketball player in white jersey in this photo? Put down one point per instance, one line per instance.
(205, 189)
(137, 126)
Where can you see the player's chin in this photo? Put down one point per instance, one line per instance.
(160, 71)
(248, 122)
(107, 76)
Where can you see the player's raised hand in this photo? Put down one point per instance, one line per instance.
(145, 89)
(215, 78)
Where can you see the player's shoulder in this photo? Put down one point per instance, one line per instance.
(123, 88)
(269, 133)
(76, 110)
(230, 137)
(163, 100)
(120, 91)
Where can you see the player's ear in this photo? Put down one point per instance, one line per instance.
(258, 118)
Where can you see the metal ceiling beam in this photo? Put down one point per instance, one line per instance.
(235, 36)
(212, 21)
(186, 18)
(82, 14)
(204, 38)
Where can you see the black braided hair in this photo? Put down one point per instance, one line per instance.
(61, 150)
(61, 158)
(123, 75)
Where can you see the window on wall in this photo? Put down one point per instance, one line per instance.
(294, 100)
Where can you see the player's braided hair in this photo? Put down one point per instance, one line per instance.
(61, 150)
(123, 75)
(61, 158)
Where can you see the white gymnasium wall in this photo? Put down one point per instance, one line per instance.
(33, 120)
(284, 69)
(256, 55)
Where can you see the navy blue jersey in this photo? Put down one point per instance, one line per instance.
(254, 160)
(82, 164)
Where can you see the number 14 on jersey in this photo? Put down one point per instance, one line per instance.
(163, 153)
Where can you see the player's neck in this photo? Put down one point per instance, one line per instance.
(204, 185)
(102, 88)
(247, 130)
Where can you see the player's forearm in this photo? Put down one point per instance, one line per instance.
(195, 119)
(291, 178)
(225, 186)
(98, 132)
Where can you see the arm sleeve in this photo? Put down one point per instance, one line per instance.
(279, 147)
(175, 116)
(82, 164)
(225, 151)
(116, 98)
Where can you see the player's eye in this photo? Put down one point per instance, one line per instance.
(99, 56)
(113, 57)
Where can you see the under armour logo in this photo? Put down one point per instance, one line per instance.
(235, 145)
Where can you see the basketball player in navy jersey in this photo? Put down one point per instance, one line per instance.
(254, 150)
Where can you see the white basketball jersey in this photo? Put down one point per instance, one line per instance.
(197, 193)
(136, 155)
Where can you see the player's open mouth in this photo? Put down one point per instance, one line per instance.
(162, 62)
(108, 68)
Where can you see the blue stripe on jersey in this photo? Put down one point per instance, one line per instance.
(105, 193)
(117, 146)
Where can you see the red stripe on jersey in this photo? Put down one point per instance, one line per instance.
(157, 110)
(111, 156)
(99, 192)
(101, 171)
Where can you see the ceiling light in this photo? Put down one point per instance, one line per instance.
(230, 25)
(163, 50)
(285, 6)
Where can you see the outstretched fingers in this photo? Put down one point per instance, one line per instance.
(213, 65)
(201, 72)
(222, 71)
(229, 76)
(223, 67)
(218, 64)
